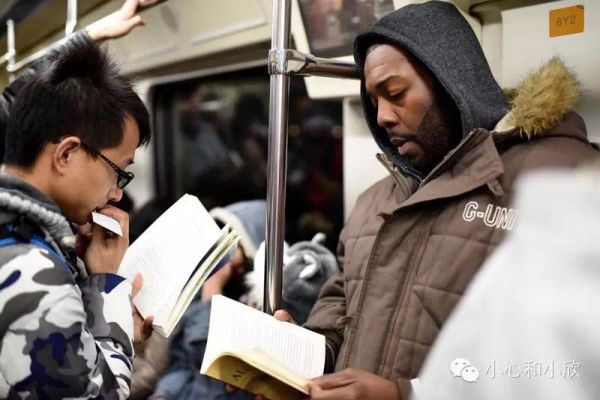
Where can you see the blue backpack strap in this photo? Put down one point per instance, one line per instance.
(10, 235)
(7, 241)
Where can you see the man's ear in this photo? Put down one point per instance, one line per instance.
(62, 156)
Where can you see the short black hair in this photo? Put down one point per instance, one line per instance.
(80, 92)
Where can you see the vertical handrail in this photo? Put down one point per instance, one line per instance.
(10, 45)
(277, 161)
(71, 23)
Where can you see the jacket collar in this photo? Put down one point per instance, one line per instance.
(475, 163)
(540, 106)
(14, 185)
(20, 199)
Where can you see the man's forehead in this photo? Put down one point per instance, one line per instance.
(384, 66)
(125, 150)
(373, 47)
(388, 49)
(391, 64)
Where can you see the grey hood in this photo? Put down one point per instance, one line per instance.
(438, 35)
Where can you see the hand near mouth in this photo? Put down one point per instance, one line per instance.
(105, 250)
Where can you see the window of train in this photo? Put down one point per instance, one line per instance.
(211, 141)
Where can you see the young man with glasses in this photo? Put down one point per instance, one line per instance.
(67, 325)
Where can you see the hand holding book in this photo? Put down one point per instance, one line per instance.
(279, 315)
(252, 350)
(142, 327)
(353, 384)
(175, 255)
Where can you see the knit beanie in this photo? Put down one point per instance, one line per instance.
(306, 267)
(248, 219)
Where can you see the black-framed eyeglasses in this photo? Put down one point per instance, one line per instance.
(123, 177)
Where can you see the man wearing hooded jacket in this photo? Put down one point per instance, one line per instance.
(415, 239)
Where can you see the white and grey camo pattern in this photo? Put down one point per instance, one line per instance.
(59, 338)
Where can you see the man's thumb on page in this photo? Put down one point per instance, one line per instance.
(136, 286)
(284, 316)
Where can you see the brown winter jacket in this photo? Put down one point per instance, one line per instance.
(409, 252)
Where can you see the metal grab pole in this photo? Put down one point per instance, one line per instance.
(10, 34)
(300, 64)
(12, 48)
(71, 23)
(277, 161)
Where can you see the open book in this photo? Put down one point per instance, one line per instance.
(175, 255)
(254, 351)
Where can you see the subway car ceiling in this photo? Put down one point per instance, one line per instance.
(178, 31)
(194, 41)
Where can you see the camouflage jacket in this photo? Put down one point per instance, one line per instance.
(63, 334)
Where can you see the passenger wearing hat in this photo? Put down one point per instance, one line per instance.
(306, 267)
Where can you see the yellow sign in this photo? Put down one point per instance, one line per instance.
(566, 21)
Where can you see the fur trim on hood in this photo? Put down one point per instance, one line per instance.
(541, 100)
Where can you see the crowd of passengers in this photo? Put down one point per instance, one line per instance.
(417, 302)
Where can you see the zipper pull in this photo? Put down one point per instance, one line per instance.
(495, 188)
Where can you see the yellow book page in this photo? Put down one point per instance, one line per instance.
(237, 328)
(258, 373)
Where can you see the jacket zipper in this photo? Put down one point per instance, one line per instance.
(413, 265)
(447, 158)
(396, 175)
(404, 189)
(361, 299)
(409, 278)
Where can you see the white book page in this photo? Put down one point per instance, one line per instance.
(167, 253)
(197, 280)
(236, 327)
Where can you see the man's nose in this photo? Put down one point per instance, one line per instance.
(386, 117)
(115, 194)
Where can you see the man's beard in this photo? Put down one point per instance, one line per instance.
(437, 134)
